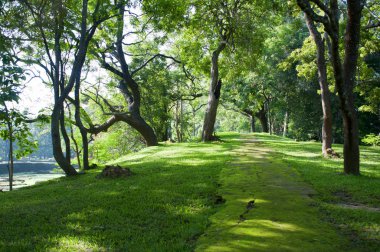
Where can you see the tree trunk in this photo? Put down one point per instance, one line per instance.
(350, 122)
(263, 119)
(139, 124)
(130, 89)
(252, 123)
(213, 97)
(65, 136)
(325, 93)
(76, 147)
(86, 164)
(10, 165)
(56, 142)
(285, 128)
(344, 81)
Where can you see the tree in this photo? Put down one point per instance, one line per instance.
(13, 124)
(324, 86)
(57, 35)
(344, 72)
(224, 14)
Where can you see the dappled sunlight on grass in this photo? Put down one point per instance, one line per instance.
(164, 206)
(302, 154)
(72, 243)
(333, 188)
(266, 209)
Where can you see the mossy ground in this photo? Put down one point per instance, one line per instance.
(172, 202)
(282, 217)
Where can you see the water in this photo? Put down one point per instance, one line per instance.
(27, 173)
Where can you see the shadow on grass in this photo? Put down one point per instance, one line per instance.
(334, 188)
(164, 207)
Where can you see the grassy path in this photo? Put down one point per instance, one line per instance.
(173, 202)
(267, 208)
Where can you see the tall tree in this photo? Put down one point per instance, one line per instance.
(225, 16)
(344, 72)
(324, 86)
(13, 124)
(61, 32)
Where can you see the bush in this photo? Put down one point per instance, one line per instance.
(372, 139)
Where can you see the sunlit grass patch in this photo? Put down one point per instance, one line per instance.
(164, 206)
(334, 188)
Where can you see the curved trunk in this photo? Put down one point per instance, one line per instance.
(130, 89)
(65, 136)
(213, 96)
(139, 124)
(325, 93)
(56, 142)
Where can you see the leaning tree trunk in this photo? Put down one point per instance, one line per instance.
(130, 89)
(139, 124)
(65, 136)
(213, 97)
(325, 93)
(56, 142)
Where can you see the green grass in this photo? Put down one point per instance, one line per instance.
(170, 202)
(283, 216)
(165, 206)
(351, 203)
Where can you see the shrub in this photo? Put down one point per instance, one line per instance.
(372, 139)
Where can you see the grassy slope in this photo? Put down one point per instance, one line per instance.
(164, 207)
(170, 202)
(359, 219)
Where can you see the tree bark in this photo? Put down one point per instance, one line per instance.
(11, 165)
(263, 119)
(325, 93)
(65, 136)
(252, 123)
(139, 124)
(285, 127)
(76, 147)
(213, 97)
(56, 142)
(344, 80)
(10, 155)
(350, 122)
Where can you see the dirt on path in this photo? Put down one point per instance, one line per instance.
(267, 208)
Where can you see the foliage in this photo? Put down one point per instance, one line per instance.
(13, 126)
(372, 139)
